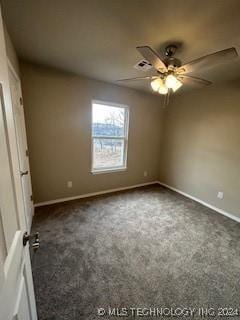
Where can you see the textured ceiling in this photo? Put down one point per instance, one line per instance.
(97, 38)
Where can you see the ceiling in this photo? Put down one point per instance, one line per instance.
(97, 38)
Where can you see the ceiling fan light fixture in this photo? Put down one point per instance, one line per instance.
(177, 85)
(155, 84)
(171, 74)
(171, 81)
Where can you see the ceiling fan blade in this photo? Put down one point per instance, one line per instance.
(138, 78)
(209, 60)
(193, 80)
(153, 57)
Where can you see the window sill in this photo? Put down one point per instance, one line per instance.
(112, 170)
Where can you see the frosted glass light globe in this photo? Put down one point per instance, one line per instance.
(155, 84)
(170, 81)
(177, 86)
(163, 89)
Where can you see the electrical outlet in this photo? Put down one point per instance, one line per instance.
(220, 195)
(69, 184)
(145, 173)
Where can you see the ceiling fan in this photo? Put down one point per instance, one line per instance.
(171, 74)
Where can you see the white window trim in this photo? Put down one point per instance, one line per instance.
(125, 138)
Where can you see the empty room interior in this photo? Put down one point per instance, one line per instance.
(120, 159)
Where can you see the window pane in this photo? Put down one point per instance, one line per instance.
(108, 153)
(108, 120)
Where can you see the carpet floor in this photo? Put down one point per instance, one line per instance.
(148, 248)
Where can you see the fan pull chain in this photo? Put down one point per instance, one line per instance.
(166, 98)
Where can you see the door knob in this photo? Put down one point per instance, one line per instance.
(27, 237)
(23, 173)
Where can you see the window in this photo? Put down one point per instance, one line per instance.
(109, 136)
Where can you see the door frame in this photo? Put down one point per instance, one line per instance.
(28, 216)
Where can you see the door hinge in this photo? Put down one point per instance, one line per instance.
(21, 101)
(31, 197)
(27, 153)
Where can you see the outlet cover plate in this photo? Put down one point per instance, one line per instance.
(69, 184)
(220, 195)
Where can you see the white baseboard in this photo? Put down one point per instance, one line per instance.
(227, 214)
(87, 195)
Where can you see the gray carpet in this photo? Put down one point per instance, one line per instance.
(145, 248)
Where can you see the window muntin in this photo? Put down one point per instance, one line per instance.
(109, 137)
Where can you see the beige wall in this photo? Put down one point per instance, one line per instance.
(200, 149)
(199, 133)
(58, 119)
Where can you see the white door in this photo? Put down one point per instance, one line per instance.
(18, 112)
(17, 300)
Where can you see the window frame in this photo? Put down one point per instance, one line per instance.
(124, 138)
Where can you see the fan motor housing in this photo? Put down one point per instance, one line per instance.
(174, 62)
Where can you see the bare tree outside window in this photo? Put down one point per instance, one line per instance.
(109, 136)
